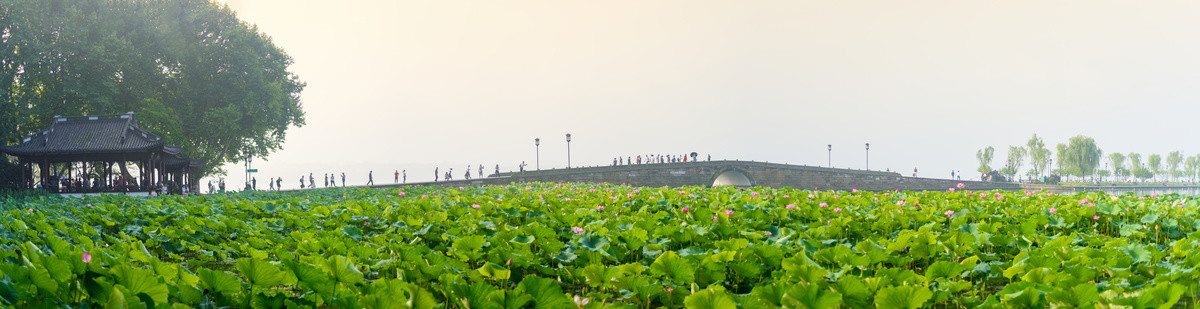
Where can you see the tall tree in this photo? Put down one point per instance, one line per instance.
(1135, 161)
(1039, 156)
(1117, 160)
(1016, 155)
(194, 73)
(1079, 157)
(1190, 167)
(985, 160)
(1154, 162)
(1173, 160)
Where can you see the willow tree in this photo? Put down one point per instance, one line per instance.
(1079, 156)
(193, 72)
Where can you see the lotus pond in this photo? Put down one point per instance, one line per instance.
(597, 246)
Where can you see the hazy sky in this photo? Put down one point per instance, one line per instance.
(418, 84)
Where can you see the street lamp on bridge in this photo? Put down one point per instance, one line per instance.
(568, 150)
(829, 160)
(537, 159)
(868, 156)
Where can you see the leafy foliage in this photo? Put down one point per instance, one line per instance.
(549, 246)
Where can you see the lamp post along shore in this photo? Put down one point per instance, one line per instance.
(537, 156)
(568, 150)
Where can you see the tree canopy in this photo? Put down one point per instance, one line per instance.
(985, 159)
(192, 71)
(1079, 156)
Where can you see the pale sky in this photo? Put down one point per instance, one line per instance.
(418, 84)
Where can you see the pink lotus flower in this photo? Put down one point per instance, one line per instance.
(951, 190)
(1049, 193)
(900, 203)
(31, 210)
(1083, 201)
(87, 258)
(790, 206)
(424, 196)
(89, 205)
(887, 194)
(476, 206)
(1095, 217)
(812, 196)
(982, 195)
(402, 193)
(837, 195)
(949, 213)
(729, 212)
(461, 188)
(681, 192)
(837, 209)
(366, 223)
(652, 197)
(768, 233)
(754, 194)
(998, 196)
(685, 209)
(577, 230)
(669, 290)
(152, 193)
(580, 303)
(628, 195)
(560, 195)
(1091, 204)
(1028, 194)
(1053, 210)
(714, 218)
(822, 204)
(1153, 195)
(528, 187)
(82, 198)
(786, 196)
(635, 191)
(600, 207)
(853, 190)
(961, 186)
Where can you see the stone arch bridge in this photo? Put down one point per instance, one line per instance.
(728, 172)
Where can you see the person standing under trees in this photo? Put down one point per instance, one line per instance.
(370, 178)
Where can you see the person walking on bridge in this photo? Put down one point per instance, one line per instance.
(435, 174)
(312, 181)
(480, 171)
(301, 182)
(325, 178)
(405, 175)
(278, 183)
(370, 178)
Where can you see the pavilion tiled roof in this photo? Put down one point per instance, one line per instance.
(87, 134)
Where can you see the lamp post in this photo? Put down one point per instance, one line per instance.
(246, 153)
(829, 160)
(868, 156)
(568, 150)
(537, 159)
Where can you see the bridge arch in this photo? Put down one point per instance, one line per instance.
(729, 176)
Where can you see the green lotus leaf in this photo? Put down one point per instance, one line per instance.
(714, 297)
(547, 294)
(674, 268)
(902, 297)
(491, 270)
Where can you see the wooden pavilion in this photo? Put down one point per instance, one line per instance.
(63, 152)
